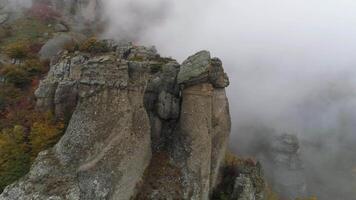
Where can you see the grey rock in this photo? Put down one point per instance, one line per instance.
(195, 129)
(217, 76)
(168, 106)
(125, 105)
(4, 17)
(195, 69)
(65, 98)
(204, 131)
(61, 28)
(221, 128)
(286, 167)
(201, 68)
(244, 189)
(109, 119)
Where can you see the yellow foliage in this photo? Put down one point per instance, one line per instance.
(20, 145)
(14, 161)
(72, 46)
(34, 66)
(44, 134)
(92, 45)
(15, 75)
(18, 50)
(309, 198)
(88, 44)
(232, 160)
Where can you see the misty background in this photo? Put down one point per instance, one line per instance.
(292, 66)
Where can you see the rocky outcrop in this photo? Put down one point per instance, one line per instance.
(107, 144)
(286, 171)
(242, 179)
(204, 123)
(140, 127)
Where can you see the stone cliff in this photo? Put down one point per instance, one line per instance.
(140, 127)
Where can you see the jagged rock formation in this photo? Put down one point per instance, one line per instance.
(282, 160)
(141, 126)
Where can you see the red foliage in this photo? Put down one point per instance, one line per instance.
(43, 12)
(35, 48)
(35, 83)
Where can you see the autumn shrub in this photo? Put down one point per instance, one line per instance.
(5, 31)
(309, 198)
(71, 46)
(34, 67)
(17, 50)
(20, 145)
(229, 174)
(14, 159)
(15, 75)
(92, 45)
(35, 48)
(44, 134)
(8, 95)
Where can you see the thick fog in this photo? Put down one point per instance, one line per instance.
(15, 4)
(292, 66)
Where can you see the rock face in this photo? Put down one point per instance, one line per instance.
(287, 170)
(204, 124)
(140, 127)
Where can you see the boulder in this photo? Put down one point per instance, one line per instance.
(195, 69)
(201, 68)
(61, 28)
(217, 76)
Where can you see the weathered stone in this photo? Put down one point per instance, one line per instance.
(4, 17)
(286, 170)
(196, 129)
(61, 28)
(167, 106)
(200, 68)
(217, 76)
(244, 189)
(109, 119)
(45, 95)
(195, 69)
(65, 99)
(125, 105)
(221, 127)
